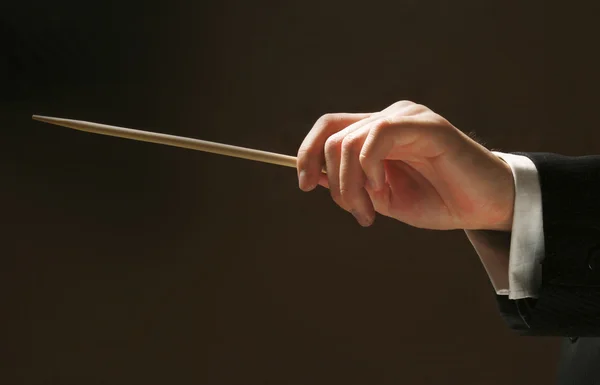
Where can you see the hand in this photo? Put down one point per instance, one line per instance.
(408, 163)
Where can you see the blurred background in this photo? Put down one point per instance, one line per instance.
(132, 263)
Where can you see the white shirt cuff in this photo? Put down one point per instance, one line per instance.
(513, 261)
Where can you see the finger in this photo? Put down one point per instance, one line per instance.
(323, 181)
(384, 134)
(333, 157)
(311, 152)
(333, 147)
(352, 178)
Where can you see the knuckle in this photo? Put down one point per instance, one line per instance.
(364, 158)
(376, 134)
(332, 143)
(366, 161)
(350, 142)
(326, 120)
(347, 193)
(350, 196)
(304, 151)
(415, 109)
(378, 127)
(403, 104)
(402, 118)
(304, 155)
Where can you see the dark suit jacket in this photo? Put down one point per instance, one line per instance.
(569, 299)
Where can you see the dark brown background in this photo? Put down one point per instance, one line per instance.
(133, 263)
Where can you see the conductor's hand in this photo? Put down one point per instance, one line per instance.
(408, 163)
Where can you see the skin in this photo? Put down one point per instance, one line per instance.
(408, 163)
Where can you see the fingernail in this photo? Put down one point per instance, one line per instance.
(361, 219)
(303, 181)
(371, 184)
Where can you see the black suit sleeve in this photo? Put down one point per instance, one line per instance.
(568, 303)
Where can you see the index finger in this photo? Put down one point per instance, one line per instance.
(310, 154)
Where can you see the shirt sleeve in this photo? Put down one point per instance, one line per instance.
(513, 260)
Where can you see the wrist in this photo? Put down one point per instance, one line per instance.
(509, 202)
